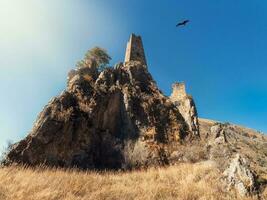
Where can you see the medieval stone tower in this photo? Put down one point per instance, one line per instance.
(178, 91)
(135, 50)
(186, 106)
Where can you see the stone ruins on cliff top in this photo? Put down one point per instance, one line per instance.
(119, 119)
(186, 106)
(114, 119)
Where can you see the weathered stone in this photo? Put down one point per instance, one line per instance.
(186, 106)
(239, 176)
(100, 122)
(135, 50)
(218, 134)
(89, 72)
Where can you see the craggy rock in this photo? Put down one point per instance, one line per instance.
(218, 133)
(239, 176)
(186, 106)
(218, 147)
(115, 119)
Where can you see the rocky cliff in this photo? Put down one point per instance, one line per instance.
(119, 119)
(114, 119)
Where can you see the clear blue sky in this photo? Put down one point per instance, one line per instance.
(221, 54)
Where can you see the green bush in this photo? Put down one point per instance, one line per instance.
(96, 55)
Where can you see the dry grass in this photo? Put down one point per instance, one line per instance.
(185, 181)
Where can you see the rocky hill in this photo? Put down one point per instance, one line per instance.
(119, 119)
(115, 119)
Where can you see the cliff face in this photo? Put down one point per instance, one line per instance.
(115, 119)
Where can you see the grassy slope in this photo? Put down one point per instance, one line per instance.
(184, 181)
(245, 141)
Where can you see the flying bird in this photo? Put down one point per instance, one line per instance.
(182, 23)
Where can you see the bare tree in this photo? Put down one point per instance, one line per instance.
(5, 150)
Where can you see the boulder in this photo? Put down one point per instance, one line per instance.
(239, 176)
(218, 134)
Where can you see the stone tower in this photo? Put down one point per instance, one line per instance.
(135, 50)
(178, 90)
(186, 105)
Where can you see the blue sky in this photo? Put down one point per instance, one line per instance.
(221, 54)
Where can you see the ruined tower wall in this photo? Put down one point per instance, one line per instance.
(178, 91)
(186, 106)
(135, 50)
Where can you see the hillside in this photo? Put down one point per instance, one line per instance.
(191, 179)
(182, 182)
(237, 139)
(117, 119)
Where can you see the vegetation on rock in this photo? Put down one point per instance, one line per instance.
(97, 55)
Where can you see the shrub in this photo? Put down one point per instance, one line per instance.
(97, 55)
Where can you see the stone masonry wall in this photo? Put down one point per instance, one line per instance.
(135, 50)
(186, 106)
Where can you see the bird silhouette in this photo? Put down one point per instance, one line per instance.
(182, 23)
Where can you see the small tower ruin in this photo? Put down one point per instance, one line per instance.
(178, 91)
(135, 50)
(186, 105)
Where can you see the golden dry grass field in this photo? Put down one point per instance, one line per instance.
(184, 181)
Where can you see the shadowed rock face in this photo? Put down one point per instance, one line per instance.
(115, 119)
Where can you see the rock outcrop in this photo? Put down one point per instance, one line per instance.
(114, 119)
(239, 176)
(225, 143)
(186, 106)
(218, 133)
